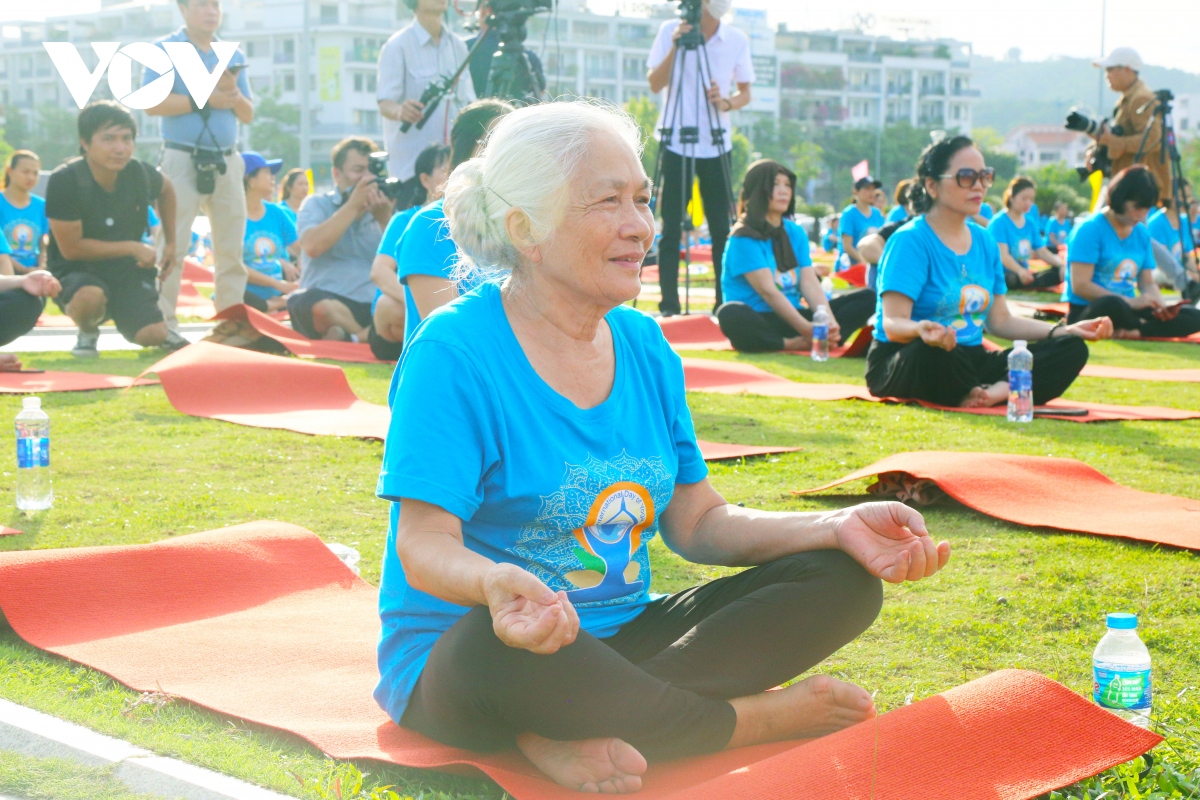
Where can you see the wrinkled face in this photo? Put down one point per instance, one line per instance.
(1022, 201)
(947, 193)
(24, 174)
(596, 251)
(781, 195)
(110, 148)
(262, 182)
(1120, 78)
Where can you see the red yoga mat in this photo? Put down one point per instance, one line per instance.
(724, 377)
(51, 381)
(264, 391)
(1135, 374)
(297, 343)
(701, 332)
(1048, 493)
(261, 622)
(5, 531)
(192, 303)
(195, 272)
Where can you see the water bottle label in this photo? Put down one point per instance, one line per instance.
(1117, 686)
(1020, 380)
(33, 453)
(820, 332)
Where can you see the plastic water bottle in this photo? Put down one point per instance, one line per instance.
(827, 287)
(820, 334)
(1121, 671)
(34, 492)
(1020, 383)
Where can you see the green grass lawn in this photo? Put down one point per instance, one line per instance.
(128, 468)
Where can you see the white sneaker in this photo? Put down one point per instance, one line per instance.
(85, 345)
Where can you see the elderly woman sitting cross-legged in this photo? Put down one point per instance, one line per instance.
(540, 440)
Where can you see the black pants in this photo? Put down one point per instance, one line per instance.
(663, 681)
(1041, 280)
(257, 302)
(917, 371)
(676, 192)
(1125, 318)
(764, 331)
(19, 312)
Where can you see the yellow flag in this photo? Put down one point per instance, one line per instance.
(696, 205)
(308, 174)
(1095, 180)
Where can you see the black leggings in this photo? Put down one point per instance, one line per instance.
(19, 312)
(676, 191)
(764, 331)
(1125, 318)
(1041, 280)
(662, 682)
(917, 371)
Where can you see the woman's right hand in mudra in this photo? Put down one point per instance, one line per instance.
(935, 334)
(526, 614)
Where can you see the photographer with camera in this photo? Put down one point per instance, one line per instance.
(725, 58)
(415, 56)
(1135, 134)
(340, 231)
(200, 158)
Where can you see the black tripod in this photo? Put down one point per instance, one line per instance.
(1180, 201)
(690, 47)
(511, 75)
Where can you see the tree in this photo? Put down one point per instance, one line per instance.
(274, 130)
(6, 149)
(987, 138)
(645, 114)
(53, 137)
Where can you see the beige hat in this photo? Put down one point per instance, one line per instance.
(1121, 57)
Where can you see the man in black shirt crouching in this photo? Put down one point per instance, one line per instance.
(97, 205)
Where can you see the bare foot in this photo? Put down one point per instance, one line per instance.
(1121, 333)
(986, 396)
(815, 706)
(336, 333)
(796, 343)
(610, 765)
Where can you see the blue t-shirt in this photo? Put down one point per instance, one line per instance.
(856, 225)
(1057, 232)
(5, 250)
(571, 495)
(1163, 232)
(24, 228)
(897, 214)
(986, 211)
(265, 246)
(744, 255)
(1117, 261)
(390, 243)
(285, 208)
(829, 240)
(152, 222)
(425, 249)
(189, 128)
(1022, 242)
(952, 289)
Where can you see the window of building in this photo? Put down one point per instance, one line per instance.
(633, 67)
(635, 35)
(329, 15)
(600, 65)
(289, 82)
(592, 32)
(1049, 156)
(370, 81)
(358, 81)
(367, 120)
(602, 91)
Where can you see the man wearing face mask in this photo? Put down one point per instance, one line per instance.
(727, 66)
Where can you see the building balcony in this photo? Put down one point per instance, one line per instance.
(933, 91)
(363, 55)
(865, 58)
(965, 93)
(285, 58)
(371, 21)
(931, 121)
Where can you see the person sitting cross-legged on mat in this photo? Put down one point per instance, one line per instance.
(389, 308)
(540, 440)
(941, 283)
(271, 244)
(767, 268)
(1110, 266)
(426, 256)
(1017, 234)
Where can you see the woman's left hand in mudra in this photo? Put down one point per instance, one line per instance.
(890, 541)
(1092, 329)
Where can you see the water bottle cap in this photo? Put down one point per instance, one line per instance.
(31, 402)
(1019, 343)
(1126, 622)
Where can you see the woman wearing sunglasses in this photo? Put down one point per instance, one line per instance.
(941, 284)
(1110, 270)
(1016, 232)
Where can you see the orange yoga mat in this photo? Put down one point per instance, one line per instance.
(5, 531)
(264, 391)
(725, 377)
(701, 332)
(297, 343)
(261, 622)
(1048, 493)
(195, 272)
(1136, 374)
(51, 381)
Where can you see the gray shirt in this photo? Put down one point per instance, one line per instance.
(345, 268)
(409, 62)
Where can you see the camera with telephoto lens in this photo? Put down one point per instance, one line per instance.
(209, 164)
(1100, 160)
(392, 188)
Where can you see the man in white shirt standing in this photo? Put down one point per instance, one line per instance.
(415, 56)
(725, 61)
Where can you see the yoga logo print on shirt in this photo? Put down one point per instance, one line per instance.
(264, 247)
(590, 536)
(21, 238)
(1124, 276)
(786, 280)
